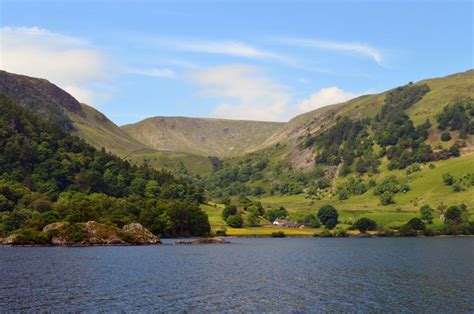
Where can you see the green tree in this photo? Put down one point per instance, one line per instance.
(453, 214)
(445, 136)
(416, 224)
(235, 221)
(328, 216)
(426, 213)
(364, 224)
(448, 178)
(229, 210)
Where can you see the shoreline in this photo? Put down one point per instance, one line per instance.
(226, 238)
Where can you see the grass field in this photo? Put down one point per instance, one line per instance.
(426, 187)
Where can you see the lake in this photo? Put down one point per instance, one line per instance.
(249, 275)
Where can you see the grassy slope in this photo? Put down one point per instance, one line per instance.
(426, 186)
(195, 164)
(99, 131)
(206, 137)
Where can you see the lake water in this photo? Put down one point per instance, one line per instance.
(250, 275)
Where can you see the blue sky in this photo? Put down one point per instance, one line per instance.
(260, 60)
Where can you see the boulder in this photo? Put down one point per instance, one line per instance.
(96, 233)
(203, 241)
(143, 235)
(56, 226)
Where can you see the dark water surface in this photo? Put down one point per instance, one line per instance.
(251, 275)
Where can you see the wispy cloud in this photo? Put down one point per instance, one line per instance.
(67, 61)
(154, 72)
(349, 47)
(229, 47)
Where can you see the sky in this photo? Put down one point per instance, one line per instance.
(256, 60)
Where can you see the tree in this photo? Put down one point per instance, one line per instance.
(445, 136)
(453, 214)
(416, 224)
(311, 221)
(387, 198)
(229, 210)
(363, 224)
(328, 216)
(448, 178)
(426, 213)
(273, 214)
(235, 221)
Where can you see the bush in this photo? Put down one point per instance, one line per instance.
(229, 210)
(363, 224)
(325, 233)
(311, 221)
(416, 224)
(235, 221)
(407, 231)
(445, 136)
(340, 233)
(278, 234)
(448, 178)
(387, 198)
(426, 213)
(221, 233)
(453, 214)
(328, 216)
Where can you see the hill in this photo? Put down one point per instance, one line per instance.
(382, 156)
(206, 137)
(59, 107)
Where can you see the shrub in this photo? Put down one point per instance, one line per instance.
(453, 214)
(229, 210)
(278, 234)
(340, 233)
(448, 178)
(221, 233)
(407, 231)
(445, 136)
(325, 233)
(426, 213)
(387, 198)
(328, 216)
(363, 224)
(234, 221)
(311, 221)
(416, 224)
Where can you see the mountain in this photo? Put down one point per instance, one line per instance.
(442, 91)
(200, 136)
(59, 107)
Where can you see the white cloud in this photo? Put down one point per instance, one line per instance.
(66, 61)
(324, 97)
(230, 48)
(155, 72)
(244, 93)
(349, 47)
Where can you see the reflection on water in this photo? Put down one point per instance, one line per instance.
(297, 275)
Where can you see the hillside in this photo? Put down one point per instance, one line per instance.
(443, 91)
(380, 155)
(206, 137)
(59, 107)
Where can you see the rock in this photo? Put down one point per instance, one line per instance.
(11, 239)
(60, 225)
(96, 233)
(143, 235)
(203, 241)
